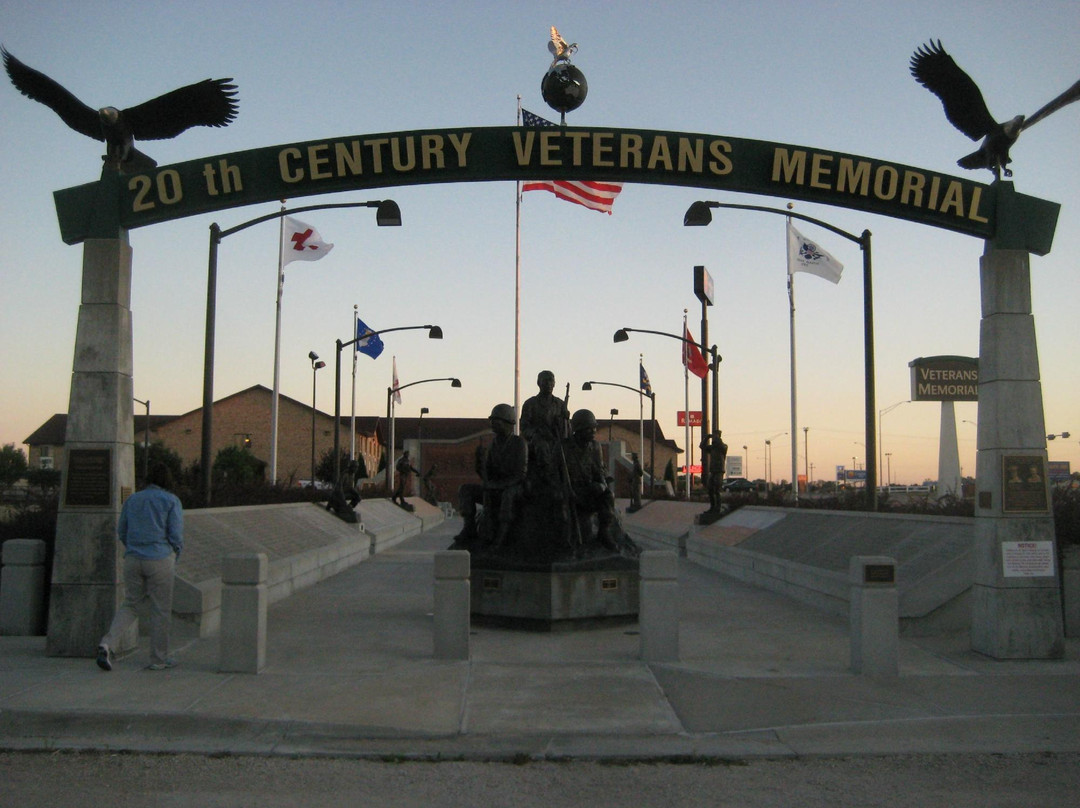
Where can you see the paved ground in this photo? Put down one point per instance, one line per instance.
(350, 671)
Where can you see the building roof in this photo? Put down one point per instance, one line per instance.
(53, 431)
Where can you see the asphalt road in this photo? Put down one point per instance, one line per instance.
(916, 781)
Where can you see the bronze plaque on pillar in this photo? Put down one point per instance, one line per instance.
(1023, 483)
(89, 480)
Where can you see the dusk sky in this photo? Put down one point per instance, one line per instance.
(826, 75)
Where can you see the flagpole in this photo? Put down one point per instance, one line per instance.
(686, 405)
(791, 326)
(352, 416)
(517, 292)
(277, 349)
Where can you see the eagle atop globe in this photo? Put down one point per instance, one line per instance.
(564, 86)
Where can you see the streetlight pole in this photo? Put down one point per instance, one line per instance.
(768, 459)
(623, 334)
(146, 440)
(806, 456)
(746, 462)
(641, 430)
(881, 433)
(420, 438)
(390, 420)
(316, 364)
(434, 332)
(699, 214)
(387, 214)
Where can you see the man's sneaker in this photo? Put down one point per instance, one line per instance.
(161, 666)
(103, 661)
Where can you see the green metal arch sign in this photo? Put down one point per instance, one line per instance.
(483, 154)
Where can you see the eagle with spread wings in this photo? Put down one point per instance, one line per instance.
(935, 70)
(211, 102)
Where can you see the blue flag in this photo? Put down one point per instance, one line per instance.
(645, 386)
(370, 345)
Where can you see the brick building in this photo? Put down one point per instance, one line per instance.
(447, 444)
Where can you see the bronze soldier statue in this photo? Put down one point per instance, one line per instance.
(502, 468)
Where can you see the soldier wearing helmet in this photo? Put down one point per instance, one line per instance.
(589, 483)
(501, 467)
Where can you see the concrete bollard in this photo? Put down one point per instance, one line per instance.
(659, 606)
(22, 588)
(452, 604)
(1070, 589)
(244, 600)
(875, 616)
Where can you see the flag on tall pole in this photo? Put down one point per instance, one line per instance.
(692, 357)
(301, 242)
(806, 256)
(644, 382)
(297, 241)
(367, 341)
(395, 386)
(593, 195)
(803, 255)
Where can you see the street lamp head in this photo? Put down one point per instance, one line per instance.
(312, 356)
(388, 214)
(455, 382)
(614, 412)
(434, 332)
(698, 215)
(621, 335)
(424, 411)
(587, 386)
(319, 365)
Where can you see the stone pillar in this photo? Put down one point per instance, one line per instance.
(99, 460)
(452, 604)
(1016, 602)
(875, 616)
(22, 588)
(659, 609)
(244, 600)
(948, 464)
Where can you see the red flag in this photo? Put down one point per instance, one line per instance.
(692, 357)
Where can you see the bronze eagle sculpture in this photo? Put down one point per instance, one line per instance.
(211, 102)
(935, 70)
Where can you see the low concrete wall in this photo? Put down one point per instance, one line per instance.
(303, 543)
(805, 555)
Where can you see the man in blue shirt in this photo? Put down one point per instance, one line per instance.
(151, 528)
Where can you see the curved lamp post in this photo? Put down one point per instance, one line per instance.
(387, 214)
(641, 400)
(316, 365)
(434, 332)
(881, 433)
(622, 335)
(768, 459)
(390, 419)
(700, 214)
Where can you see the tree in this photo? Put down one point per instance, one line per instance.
(238, 466)
(12, 466)
(159, 453)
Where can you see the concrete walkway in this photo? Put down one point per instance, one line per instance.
(351, 671)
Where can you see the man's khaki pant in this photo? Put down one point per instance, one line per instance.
(146, 579)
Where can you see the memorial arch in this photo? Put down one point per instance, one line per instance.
(1016, 601)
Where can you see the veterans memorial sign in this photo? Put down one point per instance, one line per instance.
(476, 154)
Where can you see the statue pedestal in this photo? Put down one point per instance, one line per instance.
(558, 596)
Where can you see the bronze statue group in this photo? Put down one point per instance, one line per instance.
(543, 495)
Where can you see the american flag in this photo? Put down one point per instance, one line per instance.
(593, 195)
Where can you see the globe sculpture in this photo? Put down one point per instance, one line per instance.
(564, 87)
